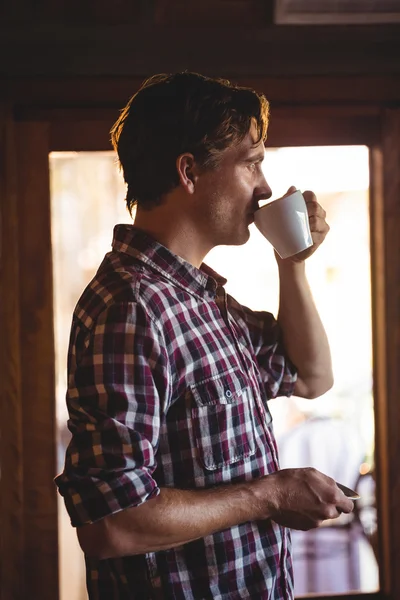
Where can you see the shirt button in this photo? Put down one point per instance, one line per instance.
(228, 394)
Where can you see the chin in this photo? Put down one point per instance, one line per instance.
(240, 238)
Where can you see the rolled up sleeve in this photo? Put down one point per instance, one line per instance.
(118, 389)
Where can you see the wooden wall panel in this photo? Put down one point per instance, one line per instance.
(391, 188)
(18, 11)
(103, 12)
(379, 348)
(385, 246)
(56, 12)
(138, 12)
(126, 50)
(81, 134)
(37, 359)
(355, 96)
(11, 450)
(217, 13)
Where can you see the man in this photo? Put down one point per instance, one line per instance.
(172, 476)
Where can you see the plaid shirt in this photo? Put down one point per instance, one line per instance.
(168, 385)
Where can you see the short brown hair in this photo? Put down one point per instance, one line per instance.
(173, 114)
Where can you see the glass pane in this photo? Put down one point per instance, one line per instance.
(334, 433)
(87, 199)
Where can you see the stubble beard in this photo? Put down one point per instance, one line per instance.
(225, 228)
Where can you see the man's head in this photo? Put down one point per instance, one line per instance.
(175, 114)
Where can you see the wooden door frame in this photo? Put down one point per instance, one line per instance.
(29, 544)
(11, 447)
(82, 129)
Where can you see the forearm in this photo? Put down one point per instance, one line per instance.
(303, 332)
(173, 518)
(296, 498)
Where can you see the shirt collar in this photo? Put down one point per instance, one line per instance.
(134, 242)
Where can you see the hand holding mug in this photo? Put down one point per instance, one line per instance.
(319, 228)
(294, 224)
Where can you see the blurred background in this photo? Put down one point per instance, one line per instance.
(334, 433)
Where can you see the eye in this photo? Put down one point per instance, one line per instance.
(252, 166)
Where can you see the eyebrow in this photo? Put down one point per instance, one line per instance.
(255, 157)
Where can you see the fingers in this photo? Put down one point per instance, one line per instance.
(319, 228)
(314, 209)
(335, 495)
(309, 197)
(345, 505)
(304, 498)
(318, 225)
(337, 501)
(290, 191)
(316, 217)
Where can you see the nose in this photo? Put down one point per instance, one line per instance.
(262, 191)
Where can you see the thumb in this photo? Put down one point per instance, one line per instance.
(292, 189)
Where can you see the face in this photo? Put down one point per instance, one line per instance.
(228, 195)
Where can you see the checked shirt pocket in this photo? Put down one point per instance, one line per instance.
(223, 420)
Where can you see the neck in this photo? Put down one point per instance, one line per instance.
(175, 230)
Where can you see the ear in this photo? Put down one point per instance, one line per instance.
(186, 168)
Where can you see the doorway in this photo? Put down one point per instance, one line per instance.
(87, 195)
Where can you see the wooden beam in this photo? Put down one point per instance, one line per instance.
(321, 131)
(33, 96)
(380, 364)
(215, 13)
(37, 359)
(391, 186)
(385, 254)
(11, 447)
(127, 50)
(288, 128)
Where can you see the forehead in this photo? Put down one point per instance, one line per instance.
(251, 144)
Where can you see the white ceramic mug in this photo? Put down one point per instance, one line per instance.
(284, 223)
